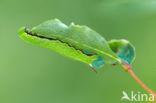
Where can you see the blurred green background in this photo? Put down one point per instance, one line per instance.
(31, 74)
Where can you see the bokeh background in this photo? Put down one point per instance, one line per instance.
(31, 74)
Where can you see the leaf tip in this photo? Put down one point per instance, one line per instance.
(21, 30)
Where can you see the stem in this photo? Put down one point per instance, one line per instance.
(128, 68)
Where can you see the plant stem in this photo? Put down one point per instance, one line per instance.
(128, 68)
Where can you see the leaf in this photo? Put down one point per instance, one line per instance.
(77, 42)
(123, 49)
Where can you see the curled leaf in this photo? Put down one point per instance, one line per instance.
(123, 49)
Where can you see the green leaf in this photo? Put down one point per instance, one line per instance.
(123, 49)
(77, 42)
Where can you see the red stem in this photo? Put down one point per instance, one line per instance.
(128, 68)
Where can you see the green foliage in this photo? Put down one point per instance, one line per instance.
(79, 42)
(123, 49)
